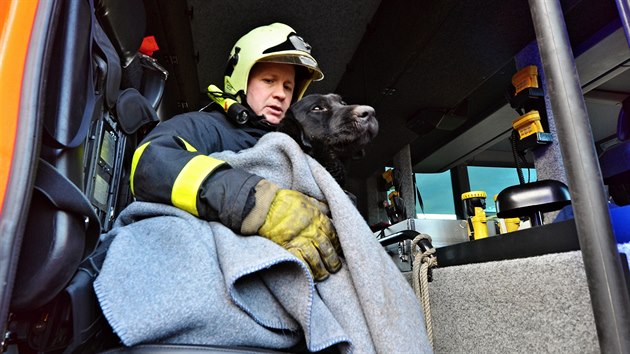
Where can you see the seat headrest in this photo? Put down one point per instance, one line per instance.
(125, 24)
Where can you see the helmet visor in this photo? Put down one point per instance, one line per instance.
(296, 59)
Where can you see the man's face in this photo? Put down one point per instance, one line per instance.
(270, 90)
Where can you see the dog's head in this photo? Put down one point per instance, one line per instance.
(326, 122)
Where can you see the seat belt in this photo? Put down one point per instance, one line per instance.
(97, 40)
(79, 136)
(114, 71)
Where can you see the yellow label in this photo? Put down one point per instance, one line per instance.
(528, 124)
(525, 78)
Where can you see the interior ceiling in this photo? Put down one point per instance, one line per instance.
(431, 69)
(333, 28)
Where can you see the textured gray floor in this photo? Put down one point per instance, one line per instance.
(533, 305)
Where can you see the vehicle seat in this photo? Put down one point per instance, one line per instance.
(56, 238)
(125, 25)
(532, 200)
(81, 183)
(93, 120)
(615, 161)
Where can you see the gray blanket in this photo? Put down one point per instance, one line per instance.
(172, 278)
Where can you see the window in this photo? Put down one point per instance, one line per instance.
(437, 195)
(493, 180)
(437, 192)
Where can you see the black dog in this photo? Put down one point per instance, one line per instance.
(329, 130)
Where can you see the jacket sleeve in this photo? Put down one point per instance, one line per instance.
(172, 166)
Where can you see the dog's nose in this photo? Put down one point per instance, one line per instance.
(364, 112)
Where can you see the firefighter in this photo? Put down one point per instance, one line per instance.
(269, 68)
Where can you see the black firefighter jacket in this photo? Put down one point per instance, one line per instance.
(172, 166)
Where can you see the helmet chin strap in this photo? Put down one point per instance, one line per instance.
(254, 120)
(237, 112)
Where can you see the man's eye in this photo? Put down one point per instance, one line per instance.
(319, 109)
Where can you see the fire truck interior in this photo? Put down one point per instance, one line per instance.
(443, 77)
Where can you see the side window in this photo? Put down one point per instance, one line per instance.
(437, 192)
(437, 196)
(493, 180)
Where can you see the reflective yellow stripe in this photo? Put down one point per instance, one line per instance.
(134, 163)
(188, 146)
(187, 183)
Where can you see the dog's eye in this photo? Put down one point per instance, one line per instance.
(343, 103)
(319, 109)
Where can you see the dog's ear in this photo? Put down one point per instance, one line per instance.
(290, 126)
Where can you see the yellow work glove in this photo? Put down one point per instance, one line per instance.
(298, 223)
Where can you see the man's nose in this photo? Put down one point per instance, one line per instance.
(279, 92)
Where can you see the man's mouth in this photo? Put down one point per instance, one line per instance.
(277, 110)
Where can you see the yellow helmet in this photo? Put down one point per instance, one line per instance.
(274, 43)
